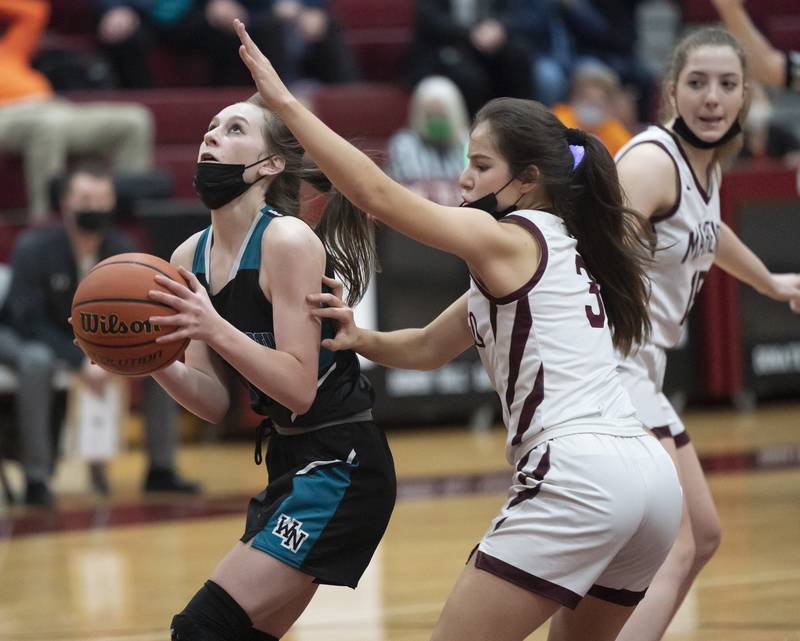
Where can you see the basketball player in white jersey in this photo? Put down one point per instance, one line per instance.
(594, 502)
(671, 174)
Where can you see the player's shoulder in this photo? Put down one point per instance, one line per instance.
(647, 159)
(291, 237)
(184, 253)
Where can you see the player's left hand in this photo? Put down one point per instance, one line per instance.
(270, 87)
(786, 287)
(333, 306)
(196, 317)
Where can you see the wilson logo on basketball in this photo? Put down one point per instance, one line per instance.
(111, 324)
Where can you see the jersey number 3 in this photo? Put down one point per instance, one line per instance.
(596, 318)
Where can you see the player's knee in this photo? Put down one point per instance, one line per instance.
(211, 615)
(183, 628)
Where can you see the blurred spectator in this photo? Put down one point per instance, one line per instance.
(592, 105)
(45, 129)
(299, 36)
(473, 44)
(764, 137)
(607, 31)
(544, 26)
(36, 339)
(433, 146)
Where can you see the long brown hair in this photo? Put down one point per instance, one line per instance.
(588, 198)
(705, 37)
(346, 232)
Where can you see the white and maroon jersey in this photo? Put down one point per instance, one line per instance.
(687, 238)
(547, 346)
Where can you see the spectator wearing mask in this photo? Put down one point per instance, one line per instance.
(36, 337)
(45, 129)
(433, 146)
(592, 105)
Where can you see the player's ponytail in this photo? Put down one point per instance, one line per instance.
(579, 178)
(348, 235)
(611, 237)
(346, 232)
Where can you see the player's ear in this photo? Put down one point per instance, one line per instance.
(529, 179)
(275, 164)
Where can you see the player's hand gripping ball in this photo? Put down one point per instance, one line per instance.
(111, 311)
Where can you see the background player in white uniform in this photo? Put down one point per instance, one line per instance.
(770, 66)
(671, 174)
(587, 523)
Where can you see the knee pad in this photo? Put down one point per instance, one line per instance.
(258, 635)
(211, 615)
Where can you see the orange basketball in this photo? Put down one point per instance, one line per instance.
(111, 312)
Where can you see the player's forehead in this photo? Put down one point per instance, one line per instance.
(482, 143)
(242, 111)
(713, 60)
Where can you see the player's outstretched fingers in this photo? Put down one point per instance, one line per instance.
(191, 280)
(337, 287)
(323, 298)
(166, 298)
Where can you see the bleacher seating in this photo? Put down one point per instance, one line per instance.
(379, 33)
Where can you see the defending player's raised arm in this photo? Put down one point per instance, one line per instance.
(768, 64)
(422, 348)
(471, 234)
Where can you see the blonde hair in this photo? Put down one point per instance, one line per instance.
(455, 109)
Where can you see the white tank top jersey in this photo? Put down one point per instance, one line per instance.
(547, 346)
(687, 238)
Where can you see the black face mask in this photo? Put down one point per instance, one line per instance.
(488, 203)
(218, 183)
(93, 220)
(682, 129)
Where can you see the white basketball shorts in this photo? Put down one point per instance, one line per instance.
(587, 514)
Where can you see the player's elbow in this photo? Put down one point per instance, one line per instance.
(214, 414)
(303, 398)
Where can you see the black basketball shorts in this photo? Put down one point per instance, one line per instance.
(328, 501)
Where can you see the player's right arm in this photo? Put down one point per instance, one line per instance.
(768, 64)
(649, 179)
(423, 348)
(198, 382)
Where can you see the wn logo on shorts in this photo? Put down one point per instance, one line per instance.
(289, 531)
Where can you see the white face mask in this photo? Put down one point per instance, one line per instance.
(589, 115)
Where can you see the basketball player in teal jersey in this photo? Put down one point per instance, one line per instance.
(331, 483)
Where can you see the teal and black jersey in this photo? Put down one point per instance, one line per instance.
(341, 388)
